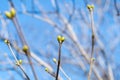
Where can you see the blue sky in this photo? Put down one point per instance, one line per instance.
(41, 36)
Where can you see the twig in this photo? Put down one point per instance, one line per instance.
(10, 61)
(23, 40)
(91, 7)
(17, 61)
(60, 41)
(57, 6)
(110, 72)
(68, 78)
(24, 43)
(59, 59)
(51, 73)
(115, 4)
(71, 35)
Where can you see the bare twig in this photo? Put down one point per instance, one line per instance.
(18, 64)
(55, 61)
(117, 10)
(91, 7)
(60, 41)
(59, 59)
(23, 40)
(110, 72)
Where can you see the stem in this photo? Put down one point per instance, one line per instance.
(24, 43)
(68, 78)
(93, 42)
(117, 10)
(65, 73)
(9, 46)
(12, 52)
(27, 78)
(18, 27)
(59, 59)
(91, 60)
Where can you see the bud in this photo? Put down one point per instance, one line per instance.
(46, 69)
(54, 60)
(19, 62)
(8, 15)
(60, 39)
(6, 41)
(90, 7)
(25, 48)
(13, 12)
(93, 59)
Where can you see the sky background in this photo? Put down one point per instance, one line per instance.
(41, 36)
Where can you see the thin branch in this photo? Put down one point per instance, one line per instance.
(59, 59)
(57, 7)
(23, 40)
(10, 61)
(73, 11)
(110, 72)
(72, 36)
(55, 61)
(9, 46)
(93, 41)
(117, 10)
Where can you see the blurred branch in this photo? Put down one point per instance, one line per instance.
(35, 57)
(117, 10)
(91, 8)
(71, 36)
(14, 67)
(16, 60)
(67, 19)
(59, 60)
(23, 40)
(110, 72)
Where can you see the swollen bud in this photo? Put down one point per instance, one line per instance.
(93, 59)
(25, 48)
(54, 60)
(46, 69)
(90, 7)
(8, 15)
(6, 41)
(60, 39)
(19, 62)
(13, 12)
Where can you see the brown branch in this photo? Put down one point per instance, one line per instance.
(59, 59)
(18, 28)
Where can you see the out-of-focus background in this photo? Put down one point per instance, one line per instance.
(41, 21)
